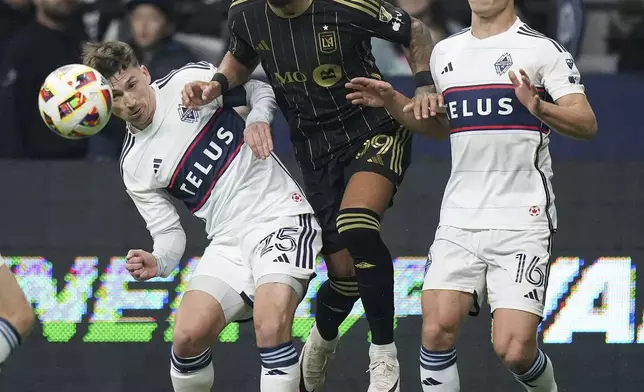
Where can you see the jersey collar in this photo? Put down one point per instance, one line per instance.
(513, 29)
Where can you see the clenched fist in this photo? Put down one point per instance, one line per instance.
(142, 265)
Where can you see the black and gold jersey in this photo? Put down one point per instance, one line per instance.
(309, 57)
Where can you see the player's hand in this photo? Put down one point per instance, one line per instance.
(141, 265)
(370, 92)
(259, 139)
(427, 102)
(198, 93)
(526, 91)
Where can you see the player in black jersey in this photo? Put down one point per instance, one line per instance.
(353, 158)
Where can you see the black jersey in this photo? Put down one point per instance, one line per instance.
(309, 57)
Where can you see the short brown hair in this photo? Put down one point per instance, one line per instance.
(110, 57)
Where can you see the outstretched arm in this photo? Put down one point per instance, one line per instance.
(377, 93)
(235, 69)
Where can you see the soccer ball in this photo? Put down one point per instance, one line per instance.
(75, 101)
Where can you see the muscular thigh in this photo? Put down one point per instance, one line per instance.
(277, 302)
(518, 267)
(453, 265)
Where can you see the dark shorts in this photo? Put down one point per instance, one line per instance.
(388, 154)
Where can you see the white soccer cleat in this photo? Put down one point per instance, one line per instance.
(314, 361)
(384, 372)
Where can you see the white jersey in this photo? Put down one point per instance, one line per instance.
(501, 166)
(199, 157)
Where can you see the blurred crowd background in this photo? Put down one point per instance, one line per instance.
(38, 36)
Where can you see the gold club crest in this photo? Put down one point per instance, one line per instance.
(328, 42)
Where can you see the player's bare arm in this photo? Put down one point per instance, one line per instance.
(377, 93)
(571, 115)
(420, 47)
(418, 54)
(230, 74)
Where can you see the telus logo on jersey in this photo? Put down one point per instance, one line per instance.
(207, 158)
(211, 154)
(489, 107)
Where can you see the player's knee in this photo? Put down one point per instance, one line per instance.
(340, 264)
(191, 337)
(272, 329)
(25, 320)
(516, 352)
(22, 318)
(440, 333)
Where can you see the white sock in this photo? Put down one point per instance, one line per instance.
(9, 339)
(194, 374)
(540, 377)
(438, 371)
(280, 370)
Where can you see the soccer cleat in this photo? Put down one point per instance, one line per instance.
(384, 373)
(314, 361)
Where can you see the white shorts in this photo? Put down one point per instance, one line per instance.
(282, 250)
(510, 266)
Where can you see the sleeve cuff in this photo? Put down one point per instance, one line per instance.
(567, 90)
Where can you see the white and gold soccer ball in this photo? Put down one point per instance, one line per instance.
(75, 101)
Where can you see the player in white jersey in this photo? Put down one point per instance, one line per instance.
(502, 86)
(16, 314)
(264, 238)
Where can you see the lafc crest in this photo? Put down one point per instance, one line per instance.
(328, 42)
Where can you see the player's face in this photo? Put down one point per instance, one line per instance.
(149, 25)
(133, 99)
(488, 8)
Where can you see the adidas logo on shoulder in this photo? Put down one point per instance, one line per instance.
(448, 68)
(156, 164)
(262, 46)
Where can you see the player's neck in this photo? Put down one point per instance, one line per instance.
(289, 9)
(488, 27)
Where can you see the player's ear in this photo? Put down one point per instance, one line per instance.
(145, 71)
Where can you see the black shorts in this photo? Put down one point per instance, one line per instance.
(387, 153)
